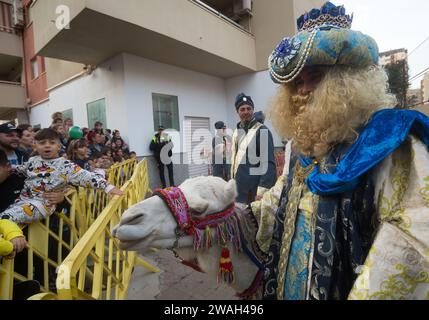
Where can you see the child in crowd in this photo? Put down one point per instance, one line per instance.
(60, 129)
(77, 152)
(46, 173)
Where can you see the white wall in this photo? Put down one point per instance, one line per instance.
(127, 83)
(257, 85)
(199, 95)
(105, 82)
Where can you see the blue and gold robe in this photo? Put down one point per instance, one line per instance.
(330, 235)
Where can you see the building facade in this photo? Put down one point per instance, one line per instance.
(12, 81)
(136, 64)
(425, 88)
(393, 56)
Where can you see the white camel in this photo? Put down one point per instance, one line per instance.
(150, 224)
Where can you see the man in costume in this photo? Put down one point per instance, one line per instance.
(349, 218)
(253, 164)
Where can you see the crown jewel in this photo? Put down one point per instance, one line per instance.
(328, 15)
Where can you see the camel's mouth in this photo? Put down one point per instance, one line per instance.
(130, 245)
(129, 234)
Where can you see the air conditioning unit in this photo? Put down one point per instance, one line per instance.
(17, 14)
(242, 6)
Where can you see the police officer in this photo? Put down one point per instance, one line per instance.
(161, 146)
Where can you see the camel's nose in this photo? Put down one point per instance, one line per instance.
(131, 218)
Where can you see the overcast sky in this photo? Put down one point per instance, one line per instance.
(394, 24)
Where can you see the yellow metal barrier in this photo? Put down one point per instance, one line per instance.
(97, 268)
(51, 240)
(120, 173)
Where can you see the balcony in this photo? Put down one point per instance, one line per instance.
(12, 99)
(10, 38)
(180, 32)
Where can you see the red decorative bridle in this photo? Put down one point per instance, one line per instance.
(215, 228)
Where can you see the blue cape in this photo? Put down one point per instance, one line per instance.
(385, 132)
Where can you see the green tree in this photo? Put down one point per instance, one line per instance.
(399, 81)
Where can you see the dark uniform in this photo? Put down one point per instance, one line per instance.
(250, 152)
(221, 154)
(157, 144)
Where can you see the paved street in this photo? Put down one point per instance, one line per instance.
(175, 282)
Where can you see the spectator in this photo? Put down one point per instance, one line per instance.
(57, 118)
(68, 123)
(26, 139)
(161, 146)
(133, 155)
(108, 134)
(77, 152)
(47, 172)
(9, 231)
(120, 145)
(9, 143)
(85, 132)
(117, 159)
(95, 143)
(11, 185)
(107, 157)
(98, 127)
(107, 152)
(57, 115)
(119, 153)
(116, 134)
(60, 129)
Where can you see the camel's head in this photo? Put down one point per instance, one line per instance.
(150, 224)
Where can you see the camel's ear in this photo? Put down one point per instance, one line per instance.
(198, 204)
(230, 191)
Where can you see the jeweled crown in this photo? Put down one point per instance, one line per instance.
(328, 15)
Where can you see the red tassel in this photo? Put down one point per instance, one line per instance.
(225, 267)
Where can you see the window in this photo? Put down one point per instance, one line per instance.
(34, 68)
(42, 64)
(68, 114)
(165, 111)
(96, 112)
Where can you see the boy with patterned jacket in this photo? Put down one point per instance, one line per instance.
(46, 173)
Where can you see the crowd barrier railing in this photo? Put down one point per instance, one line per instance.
(51, 240)
(96, 268)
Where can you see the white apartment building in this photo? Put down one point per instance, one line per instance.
(136, 64)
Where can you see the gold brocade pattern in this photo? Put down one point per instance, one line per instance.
(398, 286)
(424, 192)
(392, 209)
(397, 266)
(265, 211)
(294, 197)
